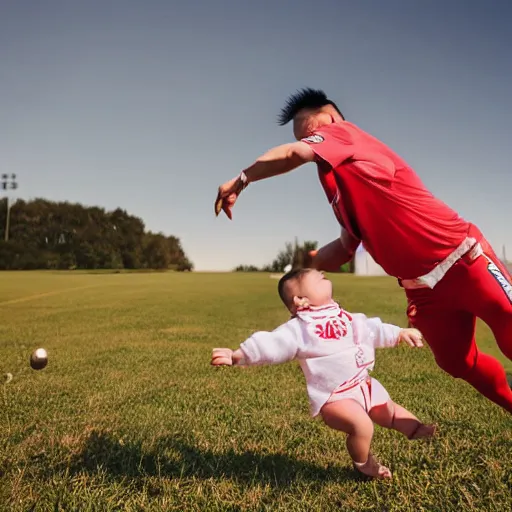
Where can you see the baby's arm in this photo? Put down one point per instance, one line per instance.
(263, 347)
(378, 334)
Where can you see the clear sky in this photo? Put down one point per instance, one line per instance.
(151, 104)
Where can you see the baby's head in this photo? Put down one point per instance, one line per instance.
(304, 287)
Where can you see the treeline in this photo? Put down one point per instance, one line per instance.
(293, 254)
(49, 235)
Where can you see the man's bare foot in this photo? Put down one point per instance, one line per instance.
(373, 468)
(423, 431)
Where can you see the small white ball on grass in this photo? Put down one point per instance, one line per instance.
(39, 359)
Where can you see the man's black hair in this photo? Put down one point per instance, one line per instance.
(293, 274)
(305, 98)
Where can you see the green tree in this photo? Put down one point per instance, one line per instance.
(45, 234)
(293, 254)
(246, 268)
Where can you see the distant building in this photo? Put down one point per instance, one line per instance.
(365, 265)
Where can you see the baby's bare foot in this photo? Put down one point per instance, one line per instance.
(373, 468)
(423, 431)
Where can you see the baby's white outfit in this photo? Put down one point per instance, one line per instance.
(335, 349)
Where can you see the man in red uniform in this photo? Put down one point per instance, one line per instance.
(449, 272)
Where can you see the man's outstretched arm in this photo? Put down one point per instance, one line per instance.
(279, 160)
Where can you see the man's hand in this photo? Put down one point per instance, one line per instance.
(329, 258)
(274, 162)
(222, 357)
(333, 255)
(227, 196)
(322, 259)
(412, 337)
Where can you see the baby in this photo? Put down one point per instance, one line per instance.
(336, 351)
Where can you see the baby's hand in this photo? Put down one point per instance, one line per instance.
(412, 337)
(222, 357)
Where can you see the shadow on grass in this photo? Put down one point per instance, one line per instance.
(174, 458)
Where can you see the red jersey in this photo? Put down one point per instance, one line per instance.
(380, 200)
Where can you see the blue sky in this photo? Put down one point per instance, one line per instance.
(150, 105)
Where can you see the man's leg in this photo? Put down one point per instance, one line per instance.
(491, 297)
(451, 336)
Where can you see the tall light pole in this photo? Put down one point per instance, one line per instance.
(8, 182)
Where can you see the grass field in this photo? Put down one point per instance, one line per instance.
(129, 415)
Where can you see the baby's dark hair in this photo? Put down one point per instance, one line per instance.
(294, 274)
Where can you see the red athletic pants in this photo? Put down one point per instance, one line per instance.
(446, 316)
